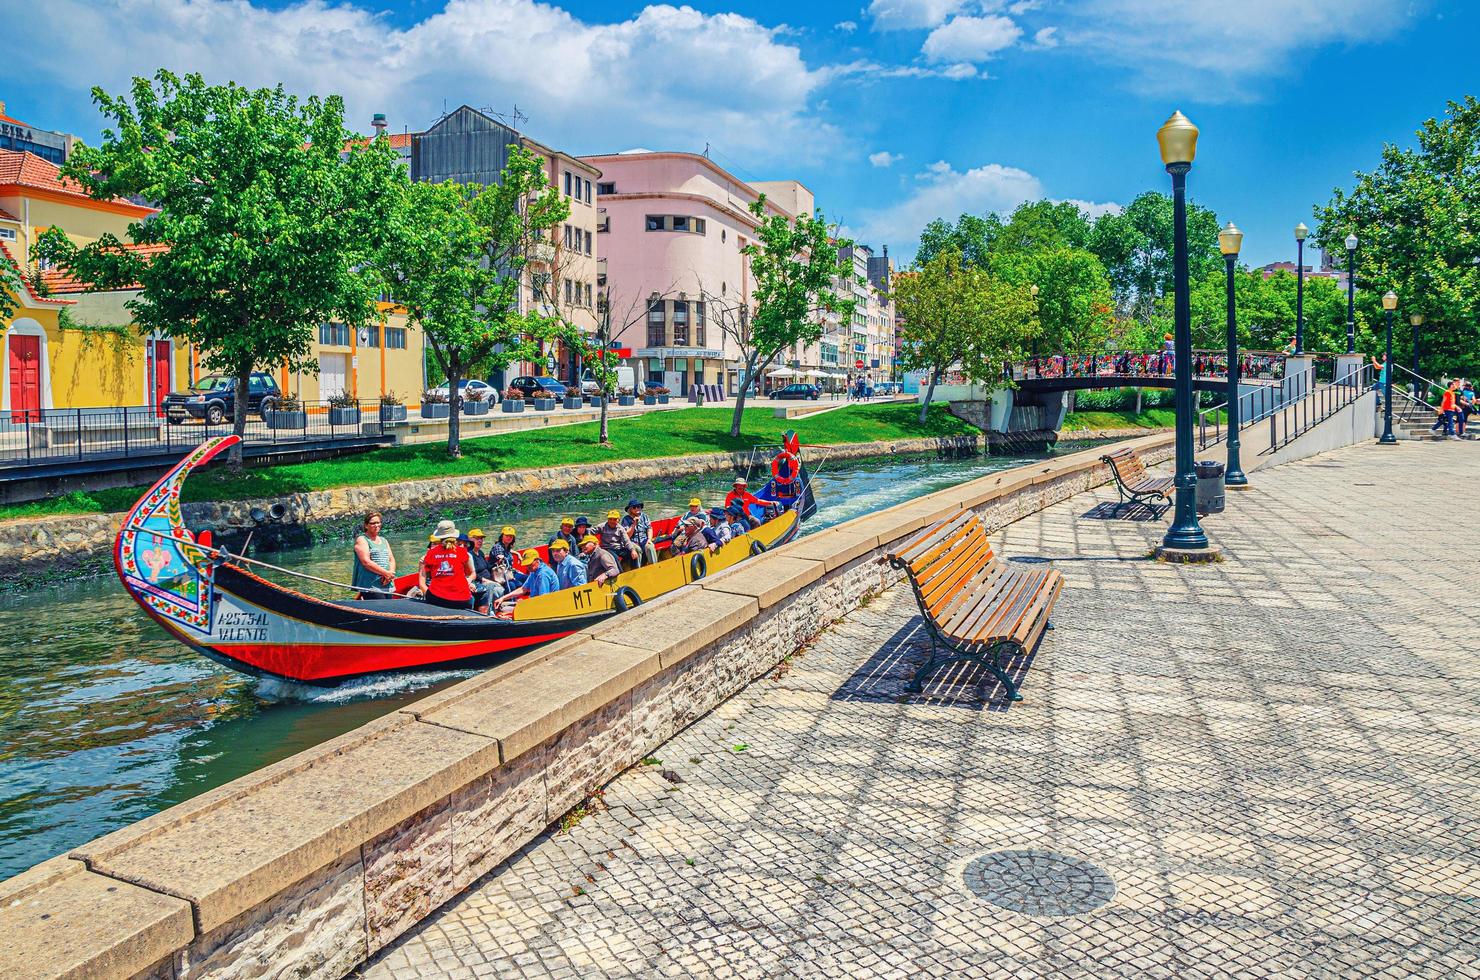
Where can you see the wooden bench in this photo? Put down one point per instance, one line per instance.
(1135, 486)
(975, 606)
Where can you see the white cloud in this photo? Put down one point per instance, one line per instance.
(971, 38)
(896, 15)
(846, 26)
(584, 86)
(1044, 38)
(941, 191)
(872, 70)
(884, 158)
(1223, 50)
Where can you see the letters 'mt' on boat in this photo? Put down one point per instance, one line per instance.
(213, 601)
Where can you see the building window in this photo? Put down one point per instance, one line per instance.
(680, 323)
(723, 233)
(372, 336)
(588, 295)
(655, 222)
(699, 321)
(8, 234)
(395, 338)
(588, 192)
(334, 334)
(655, 323)
(606, 187)
(588, 243)
(566, 231)
(567, 183)
(680, 222)
(604, 224)
(699, 226)
(568, 300)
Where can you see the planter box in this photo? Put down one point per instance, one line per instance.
(594, 401)
(544, 404)
(287, 420)
(436, 410)
(626, 401)
(393, 413)
(662, 399)
(512, 405)
(574, 401)
(474, 408)
(344, 416)
(650, 399)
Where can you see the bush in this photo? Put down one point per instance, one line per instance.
(514, 394)
(289, 403)
(343, 399)
(474, 394)
(433, 396)
(390, 398)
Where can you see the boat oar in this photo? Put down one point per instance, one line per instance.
(221, 554)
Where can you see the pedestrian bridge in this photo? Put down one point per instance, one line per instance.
(1157, 369)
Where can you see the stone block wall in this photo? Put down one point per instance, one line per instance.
(448, 788)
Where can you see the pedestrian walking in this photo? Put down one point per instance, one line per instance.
(1448, 409)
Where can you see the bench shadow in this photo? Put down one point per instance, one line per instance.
(1110, 511)
(882, 678)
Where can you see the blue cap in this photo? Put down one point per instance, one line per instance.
(716, 512)
(583, 520)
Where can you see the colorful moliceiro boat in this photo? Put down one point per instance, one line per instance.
(214, 601)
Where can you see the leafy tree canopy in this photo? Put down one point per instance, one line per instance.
(972, 235)
(1074, 305)
(1135, 247)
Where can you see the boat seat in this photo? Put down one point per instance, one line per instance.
(407, 607)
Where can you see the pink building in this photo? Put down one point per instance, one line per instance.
(670, 229)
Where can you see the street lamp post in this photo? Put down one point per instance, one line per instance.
(1178, 142)
(1417, 321)
(1351, 294)
(1389, 303)
(1300, 232)
(1229, 241)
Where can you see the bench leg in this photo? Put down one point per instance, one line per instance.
(987, 658)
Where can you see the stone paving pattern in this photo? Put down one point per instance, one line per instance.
(1274, 758)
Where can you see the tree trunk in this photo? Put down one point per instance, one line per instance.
(740, 401)
(454, 409)
(239, 414)
(929, 394)
(605, 401)
(1138, 400)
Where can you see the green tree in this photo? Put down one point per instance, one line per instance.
(11, 284)
(1074, 300)
(455, 259)
(794, 263)
(1415, 216)
(1135, 246)
(268, 231)
(1045, 224)
(962, 316)
(971, 235)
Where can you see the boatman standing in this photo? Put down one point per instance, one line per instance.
(740, 495)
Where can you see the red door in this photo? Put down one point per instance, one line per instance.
(25, 376)
(159, 357)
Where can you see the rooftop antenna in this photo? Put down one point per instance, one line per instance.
(706, 149)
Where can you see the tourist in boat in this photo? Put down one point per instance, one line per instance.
(640, 530)
(689, 535)
(738, 522)
(487, 588)
(696, 509)
(504, 546)
(615, 539)
(567, 533)
(742, 496)
(446, 574)
(539, 580)
(583, 528)
(601, 565)
(569, 570)
(375, 564)
(719, 529)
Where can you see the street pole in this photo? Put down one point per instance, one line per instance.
(1389, 303)
(1351, 294)
(1300, 232)
(1178, 139)
(1229, 240)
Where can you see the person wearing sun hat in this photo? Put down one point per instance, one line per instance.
(615, 539)
(696, 508)
(640, 530)
(539, 580)
(569, 569)
(446, 572)
(738, 524)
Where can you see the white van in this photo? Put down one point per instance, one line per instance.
(626, 378)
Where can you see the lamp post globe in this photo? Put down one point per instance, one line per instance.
(1177, 140)
(1389, 304)
(1351, 294)
(1230, 240)
(1300, 233)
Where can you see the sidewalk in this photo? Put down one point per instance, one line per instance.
(1266, 767)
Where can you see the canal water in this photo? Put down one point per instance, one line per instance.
(105, 720)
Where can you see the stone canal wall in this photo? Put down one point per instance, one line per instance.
(84, 542)
(310, 865)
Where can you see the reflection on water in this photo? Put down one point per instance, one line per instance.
(104, 719)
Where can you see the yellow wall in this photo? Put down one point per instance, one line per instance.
(402, 369)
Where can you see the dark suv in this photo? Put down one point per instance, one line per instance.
(541, 387)
(213, 398)
(797, 390)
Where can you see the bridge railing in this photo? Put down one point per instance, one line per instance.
(1131, 364)
(1291, 408)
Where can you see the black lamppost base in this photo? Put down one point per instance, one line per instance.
(1189, 556)
(1388, 440)
(1245, 485)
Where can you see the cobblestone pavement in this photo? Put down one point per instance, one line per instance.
(1273, 759)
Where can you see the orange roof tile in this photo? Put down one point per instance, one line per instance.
(7, 216)
(20, 168)
(399, 141)
(61, 281)
(30, 290)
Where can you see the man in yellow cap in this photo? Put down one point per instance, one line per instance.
(615, 539)
(540, 579)
(601, 567)
(696, 509)
(569, 569)
(567, 533)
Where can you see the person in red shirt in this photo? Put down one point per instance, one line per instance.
(446, 575)
(745, 498)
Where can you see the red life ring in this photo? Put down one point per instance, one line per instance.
(793, 467)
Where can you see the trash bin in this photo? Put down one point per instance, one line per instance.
(1210, 490)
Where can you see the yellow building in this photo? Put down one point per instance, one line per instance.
(92, 356)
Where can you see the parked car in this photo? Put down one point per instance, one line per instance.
(797, 390)
(538, 387)
(213, 398)
(467, 385)
(626, 378)
(889, 388)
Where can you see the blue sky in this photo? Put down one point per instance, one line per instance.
(893, 111)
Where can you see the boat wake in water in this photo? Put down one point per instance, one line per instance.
(280, 690)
